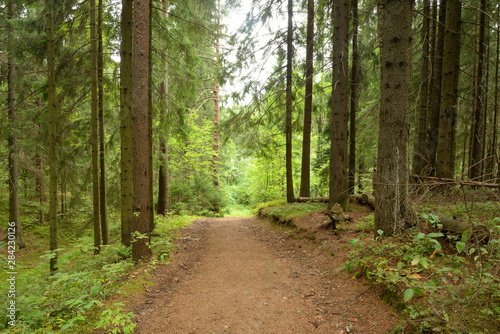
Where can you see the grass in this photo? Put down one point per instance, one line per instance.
(80, 296)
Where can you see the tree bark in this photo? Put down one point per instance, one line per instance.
(13, 132)
(151, 211)
(126, 165)
(288, 114)
(445, 160)
(354, 98)
(419, 148)
(305, 176)
(434, 105)
(393, 211)
(477, 153)
(102, 157)
(339, 192)
(140, 145)
(52, 110)
(216, 102)
(163, 200)
(94, 140)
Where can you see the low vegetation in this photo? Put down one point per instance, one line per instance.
(84, 294)
(437, 281)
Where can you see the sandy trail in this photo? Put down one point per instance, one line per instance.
(233, 275)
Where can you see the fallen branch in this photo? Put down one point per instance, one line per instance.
(442, 180)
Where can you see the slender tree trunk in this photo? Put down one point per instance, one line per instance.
(52, 109)
(163, 200)
(102, 157)
(63, 194)
(445, 161)
(140, 130)
(216, 102)
(126, 179)
(419, 148)
(494, 151)
(13, 132)
(354, 98)
(393, 211)
(288, 116)
(39, 183)
(95, 127)
(339, 191)
(434, 105)
(151, 211)
(305, 176)
(478, 120)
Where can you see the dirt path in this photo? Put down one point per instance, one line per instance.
(235, 275)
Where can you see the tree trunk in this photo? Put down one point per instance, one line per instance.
(477, 153)
(419, 148)
(126, 165)
(288, 116)
(393, 212)
(339, 192)
(102, 157)
(305, 175)
(13, 131)
(354, 98)
(151, 211)
(94, 140)
(445, 160)
(494, 151)
(434, 105)
(163, 200)
(140, 145)
(52, 132)
(216, 102)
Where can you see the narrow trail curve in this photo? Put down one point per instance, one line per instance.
(234, 275)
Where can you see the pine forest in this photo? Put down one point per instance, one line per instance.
(268, 166)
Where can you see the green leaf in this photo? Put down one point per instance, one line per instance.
(419, 236)
(353, 242)
(400, 266)
(418, 292)
(416, 260)
(460, 246)
(409, 294)
(424, 262)
(435, 235)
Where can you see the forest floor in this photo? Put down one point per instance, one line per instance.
(245, 275)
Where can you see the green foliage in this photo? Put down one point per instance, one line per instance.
(285, 213)
(434, 284)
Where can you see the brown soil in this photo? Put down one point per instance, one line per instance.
(241, 275)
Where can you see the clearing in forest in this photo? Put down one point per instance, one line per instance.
(240, 275)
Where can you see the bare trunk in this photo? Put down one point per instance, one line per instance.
(216, 102)
(305, 176)
(354, 98)
(140, 130)
(478, 120)
(52, 109)
(126, 176)
(163, 200)
(419, 148)
(393, 211)
(433, 116)
(339, 192)
(102, 157)
(12, 137)
(445, 161)
(94, 140)
(288, 116)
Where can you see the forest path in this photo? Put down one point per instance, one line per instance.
(237, 275)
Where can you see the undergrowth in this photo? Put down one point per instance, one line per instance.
(439, 282)
(78, 297)
(285, 213)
